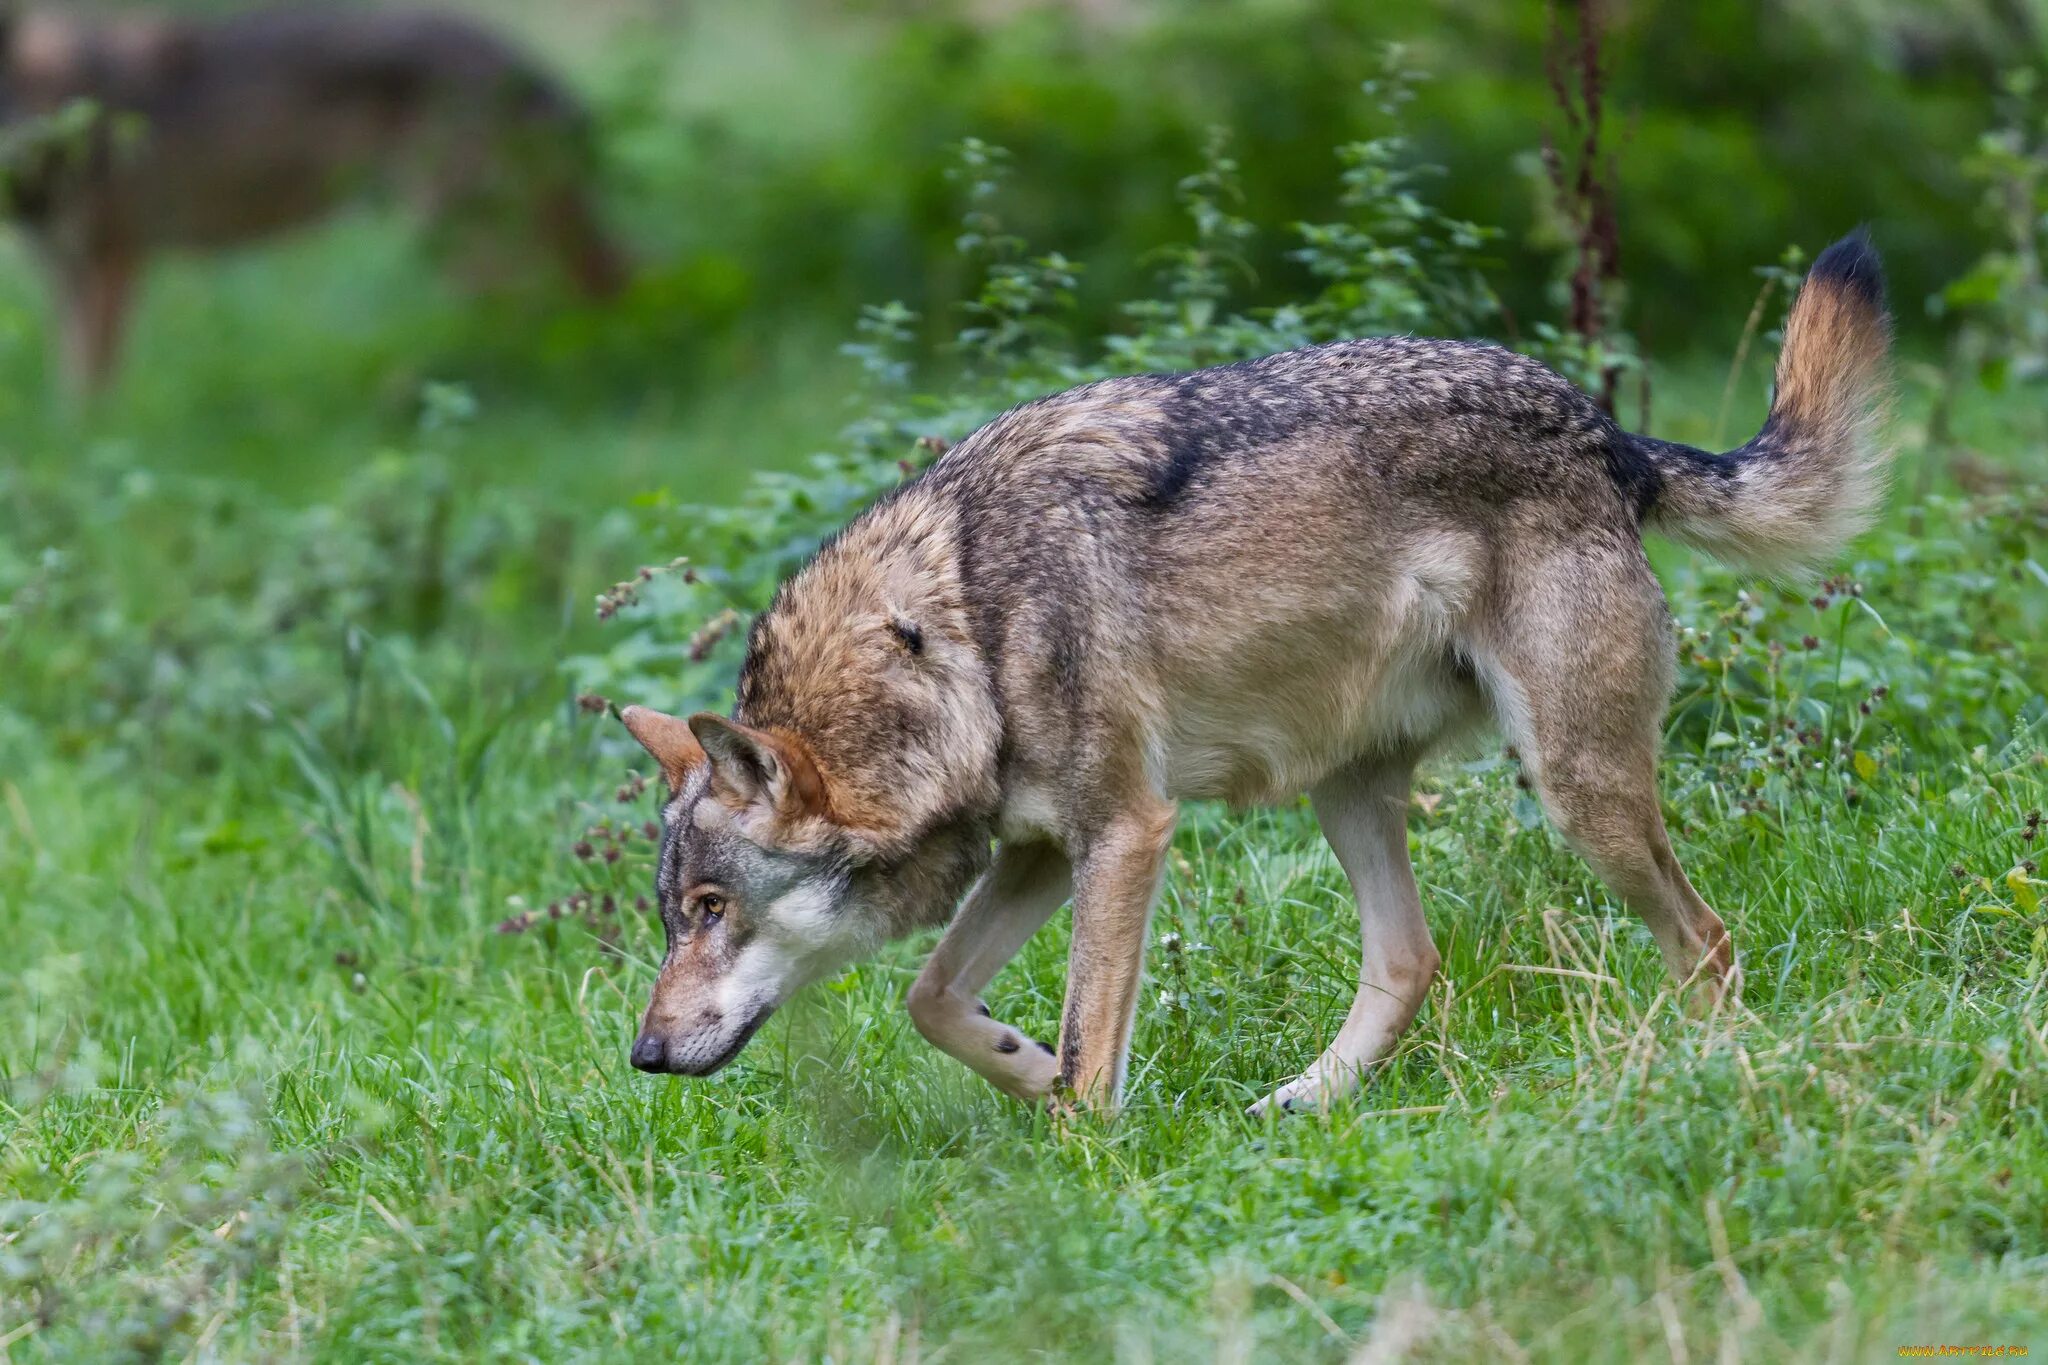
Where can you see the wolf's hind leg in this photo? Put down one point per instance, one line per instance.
(93, 296)
(1363, 812)
(569, 227)
(1579, 666)
(1010, 903)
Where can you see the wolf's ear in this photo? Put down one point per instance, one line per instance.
(668, 739)
(760, 770)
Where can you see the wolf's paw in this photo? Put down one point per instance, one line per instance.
(1069, 1109)
(1714, 990)
(1300, 1095)
(1030, 1072)
(1060, 1106)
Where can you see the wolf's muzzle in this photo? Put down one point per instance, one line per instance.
(660, 1055)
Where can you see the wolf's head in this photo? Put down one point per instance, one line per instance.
(751, 884)
(764, 887)
(850, 800)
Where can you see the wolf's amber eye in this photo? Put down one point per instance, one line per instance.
(711, 907)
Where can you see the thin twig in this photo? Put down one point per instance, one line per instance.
(1300, 1296)
(1749, 329)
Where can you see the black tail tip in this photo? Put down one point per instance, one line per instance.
(1853, 264)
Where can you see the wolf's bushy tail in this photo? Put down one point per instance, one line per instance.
(1815, 475)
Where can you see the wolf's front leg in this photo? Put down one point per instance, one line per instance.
(1012, 900)
(1115, 884)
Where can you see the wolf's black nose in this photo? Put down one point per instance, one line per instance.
(650, 1053)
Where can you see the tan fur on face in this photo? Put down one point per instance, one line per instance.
(769, 782)
(668, 740)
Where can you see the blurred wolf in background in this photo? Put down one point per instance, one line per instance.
(128, 135)
(1305, 572)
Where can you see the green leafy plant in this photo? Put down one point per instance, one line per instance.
(2002, 300)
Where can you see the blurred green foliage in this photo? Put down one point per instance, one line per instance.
(786, 157)
(778, 165)
(2002, 301)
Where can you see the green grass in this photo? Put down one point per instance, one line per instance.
(283, 737)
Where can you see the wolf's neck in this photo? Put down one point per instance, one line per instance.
(870, 657)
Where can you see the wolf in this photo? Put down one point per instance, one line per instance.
(994, 688)
(209, 134)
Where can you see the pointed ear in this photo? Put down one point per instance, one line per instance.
(668, 739)
(765, 771)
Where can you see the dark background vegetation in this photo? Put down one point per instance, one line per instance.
(778, 164)
(1736, 128)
